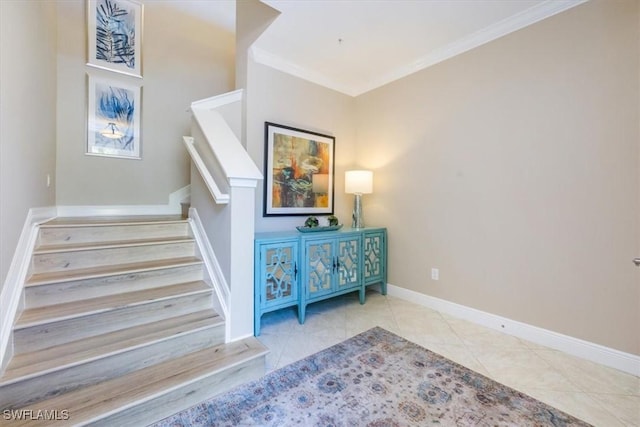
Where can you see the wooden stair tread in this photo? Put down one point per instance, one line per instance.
(62, 356)
(108, 270)
(111, 220)
(123, 343)
(45, 249)
(52, 313)
(91, 403)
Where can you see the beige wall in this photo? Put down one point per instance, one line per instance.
(252, 18)
(27, 116)
(513, 168)
(184, 59)
(280, 98)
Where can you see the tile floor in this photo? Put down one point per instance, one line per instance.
(594, 393)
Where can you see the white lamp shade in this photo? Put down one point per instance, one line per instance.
(358, 182)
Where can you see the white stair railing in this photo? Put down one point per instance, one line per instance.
(218, 196)
(223, 183)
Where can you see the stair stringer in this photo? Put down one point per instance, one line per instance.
(12, 290)
(213, 272)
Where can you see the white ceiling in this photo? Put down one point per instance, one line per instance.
(353, 46)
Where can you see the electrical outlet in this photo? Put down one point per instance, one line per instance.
(435, 274)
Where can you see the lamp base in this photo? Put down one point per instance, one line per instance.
(357, 216)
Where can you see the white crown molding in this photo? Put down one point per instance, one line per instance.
(502, 28)
(274, 61)
(513, 23)
(622, 361)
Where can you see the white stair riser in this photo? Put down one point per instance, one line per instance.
(186, 396)
(57, 293)
(73, 260)
(61, 235)
(31, 390)
(50, 334)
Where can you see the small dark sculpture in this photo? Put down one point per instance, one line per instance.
(311, 222)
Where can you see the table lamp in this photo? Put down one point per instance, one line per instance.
(358, 182)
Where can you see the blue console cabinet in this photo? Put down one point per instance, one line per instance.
(293, 268)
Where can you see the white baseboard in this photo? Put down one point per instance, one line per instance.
(210, 261)
(179, 196)
(17, 274)
(172, 208)
(620, 360)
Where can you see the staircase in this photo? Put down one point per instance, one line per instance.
(119, 327)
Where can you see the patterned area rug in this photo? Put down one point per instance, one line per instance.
(375, 379)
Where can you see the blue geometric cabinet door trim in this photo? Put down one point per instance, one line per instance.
(372, 267)
(276, 278)
(348, 262)
(320, 265)
(375, 256)
(279, 273)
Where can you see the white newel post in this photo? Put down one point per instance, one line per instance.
(219, 129)
(242, 205)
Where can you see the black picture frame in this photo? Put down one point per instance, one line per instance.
(299, 169)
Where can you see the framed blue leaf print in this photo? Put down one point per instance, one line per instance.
(113, 125)
(114, 28)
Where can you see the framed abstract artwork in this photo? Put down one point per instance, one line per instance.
(113, 123)
(299, 171)
(114, 28)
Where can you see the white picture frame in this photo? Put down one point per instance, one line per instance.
(113, 122)
(114, 29)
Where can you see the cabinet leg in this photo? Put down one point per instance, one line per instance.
(301, 313)
(361, 294)
(383, 288)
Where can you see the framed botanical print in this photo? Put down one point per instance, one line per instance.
(114, 28)
(113, 123)
(299, 171)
